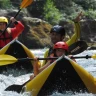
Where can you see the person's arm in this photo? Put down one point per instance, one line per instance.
(76, 35)
(45, 66)
(35, 68)
(19, 27)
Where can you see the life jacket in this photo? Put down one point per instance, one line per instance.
(5, 38)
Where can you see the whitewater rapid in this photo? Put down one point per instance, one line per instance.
(7, 80)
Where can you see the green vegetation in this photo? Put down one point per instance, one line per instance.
(5, 4)
(51, 13)
(55, 10)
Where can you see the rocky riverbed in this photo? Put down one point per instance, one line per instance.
(36, 33)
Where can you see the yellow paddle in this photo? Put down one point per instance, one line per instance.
(93, 56)
(6, 59)
(24, 4)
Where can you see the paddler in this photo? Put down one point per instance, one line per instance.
(57, 33)
(59, 49)
(10, 33)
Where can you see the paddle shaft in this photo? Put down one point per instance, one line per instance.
(48, 58)
(53, 58)
(11, 21)
(78, 57)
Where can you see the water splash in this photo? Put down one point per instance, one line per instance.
(6, 80)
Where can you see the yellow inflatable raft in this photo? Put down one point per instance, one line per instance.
(18, 50)
(61, 76)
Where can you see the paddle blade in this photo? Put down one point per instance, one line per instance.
(17, 88)
(25, 3)
(78, 47)
(14, 87)
(93, 56)
(7, 59)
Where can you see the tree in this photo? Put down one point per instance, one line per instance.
(36, 9)
(5, 4)
(86, 4)
(51, 13)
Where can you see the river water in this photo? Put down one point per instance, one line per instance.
(5, 81)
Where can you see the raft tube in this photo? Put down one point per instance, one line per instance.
(61, 76)
(18, 50)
